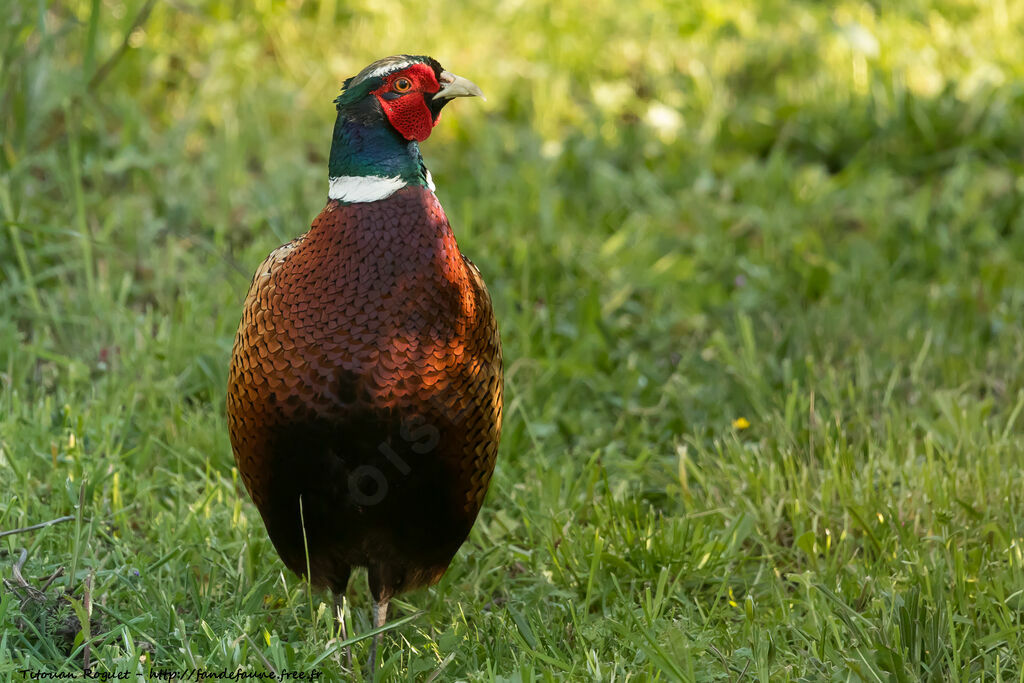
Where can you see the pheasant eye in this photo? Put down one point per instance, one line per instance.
(402, 85)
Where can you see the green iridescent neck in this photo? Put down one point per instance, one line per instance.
(360, 150)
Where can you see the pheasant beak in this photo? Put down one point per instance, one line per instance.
(456, 86)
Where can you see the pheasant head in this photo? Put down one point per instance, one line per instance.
(384, 112)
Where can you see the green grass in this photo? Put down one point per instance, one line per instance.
(807, 216)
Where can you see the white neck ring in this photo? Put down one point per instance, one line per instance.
(358, 189)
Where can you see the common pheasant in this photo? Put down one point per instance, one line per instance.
(365, 391)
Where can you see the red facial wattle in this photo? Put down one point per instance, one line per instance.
(408, 112)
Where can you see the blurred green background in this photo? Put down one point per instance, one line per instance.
(758, 270)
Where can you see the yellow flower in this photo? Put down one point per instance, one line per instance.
(741, 423)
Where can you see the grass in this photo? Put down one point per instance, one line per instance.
(807, 216)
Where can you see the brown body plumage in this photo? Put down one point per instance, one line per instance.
(366, 382)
